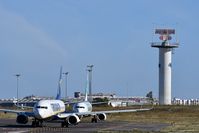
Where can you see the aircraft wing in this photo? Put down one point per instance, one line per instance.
(113, 111)
(67, 114)
(11, 111)
(120, 111)
(30, 114)
(22, 106)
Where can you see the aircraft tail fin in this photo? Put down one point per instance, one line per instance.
(58, 97)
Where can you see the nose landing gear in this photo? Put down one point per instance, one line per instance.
(37, 123)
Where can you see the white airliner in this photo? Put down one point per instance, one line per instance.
(55, 111)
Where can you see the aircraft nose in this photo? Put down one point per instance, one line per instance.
(75, 110)
(42, 114)
(78, 110)
(39, 113)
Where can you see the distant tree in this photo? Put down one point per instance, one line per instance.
(149, 95)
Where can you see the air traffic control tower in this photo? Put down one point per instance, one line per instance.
(165, 53)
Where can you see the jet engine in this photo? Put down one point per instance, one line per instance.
(22, 119)
(101, 116)
(73, 119)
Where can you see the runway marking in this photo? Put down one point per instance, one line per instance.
(49, 129)
(18, 131)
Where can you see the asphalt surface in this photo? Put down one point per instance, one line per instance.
(9, 126)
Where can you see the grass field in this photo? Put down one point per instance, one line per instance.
(180, 118)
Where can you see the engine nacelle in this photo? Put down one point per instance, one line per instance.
(101, 116)
(22, 119)
(73, 119)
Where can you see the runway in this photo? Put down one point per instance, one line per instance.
(9, 126)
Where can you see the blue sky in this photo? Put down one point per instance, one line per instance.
(37, 37)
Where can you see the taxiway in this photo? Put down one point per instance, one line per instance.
(9, 126)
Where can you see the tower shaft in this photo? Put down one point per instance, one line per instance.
(90, 81)
(165, 76)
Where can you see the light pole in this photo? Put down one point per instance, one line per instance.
(66, 75)
(90, 81)
(17, 75)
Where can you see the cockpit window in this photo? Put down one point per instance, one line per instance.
(80, 107)
(41, 107)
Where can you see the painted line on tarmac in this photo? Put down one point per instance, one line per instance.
(18, 131)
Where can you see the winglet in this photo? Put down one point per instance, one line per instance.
(58, 97)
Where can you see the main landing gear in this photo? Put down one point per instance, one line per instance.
(64, 124)
(94, 119)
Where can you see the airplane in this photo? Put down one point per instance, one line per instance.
(55, 111)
